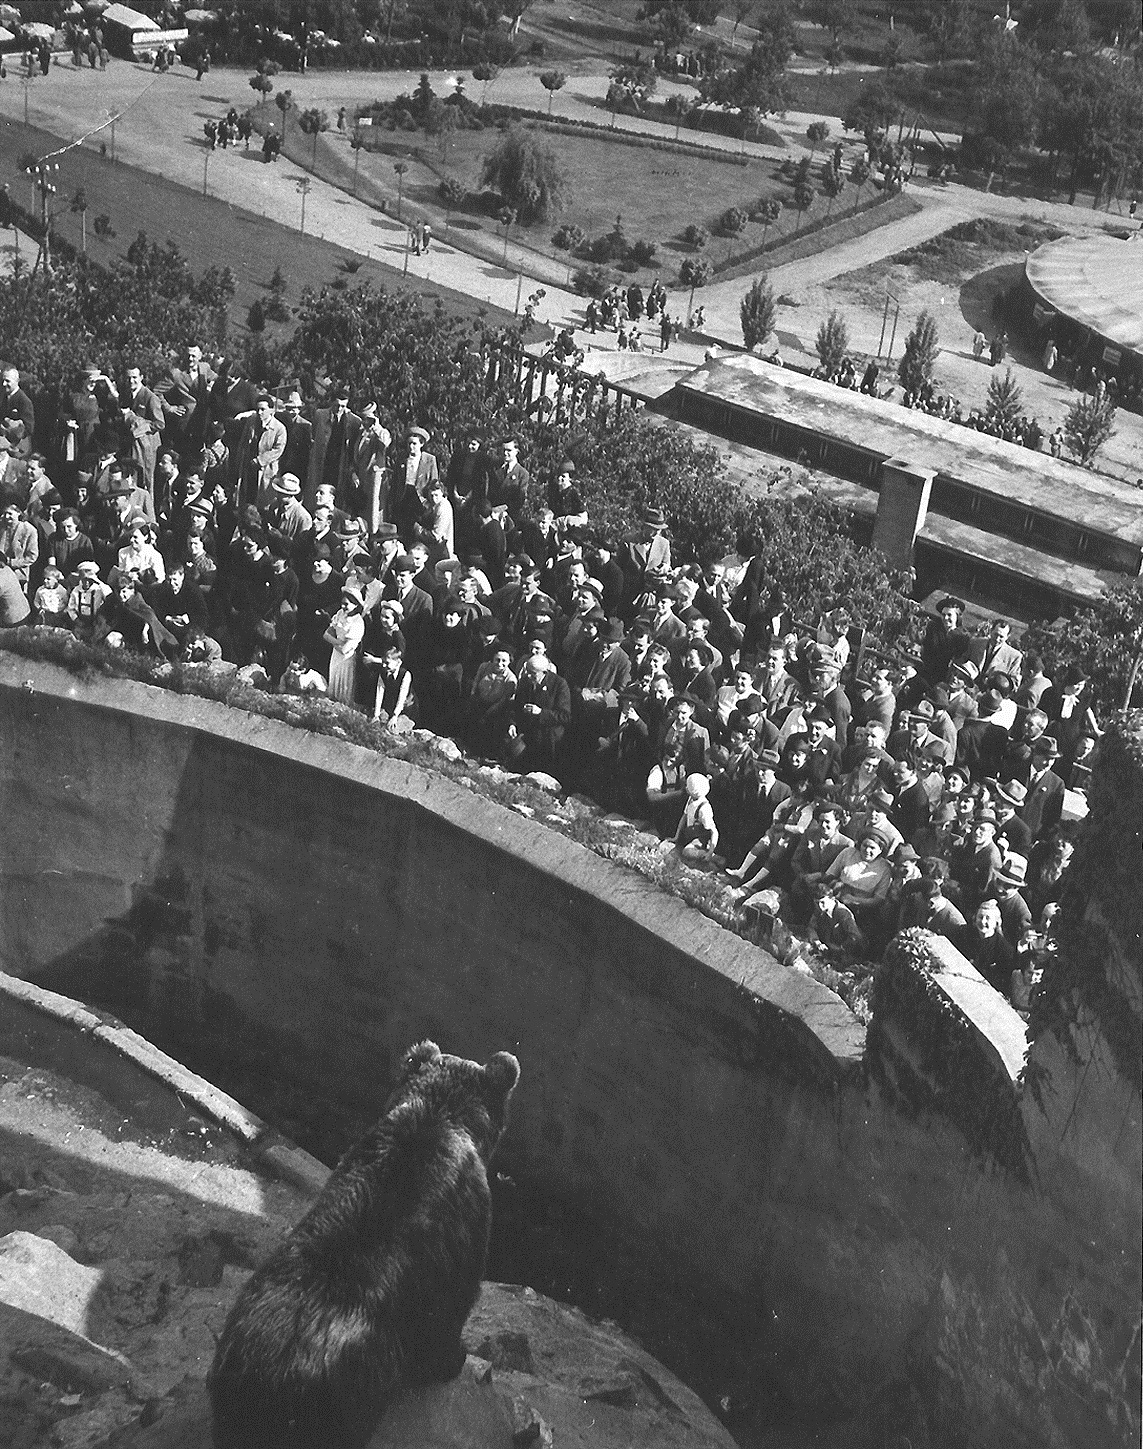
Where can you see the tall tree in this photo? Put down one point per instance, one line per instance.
(1005, 401)
(919, 360)
(1088, 427)
(759, 82)
(872, 113)
(758, 313)
(832, 343)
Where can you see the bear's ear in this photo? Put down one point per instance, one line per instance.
(502, 1072)
(422, 1055)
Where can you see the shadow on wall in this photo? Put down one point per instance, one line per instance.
(700, 1154)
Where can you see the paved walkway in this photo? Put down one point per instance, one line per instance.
(158, 128)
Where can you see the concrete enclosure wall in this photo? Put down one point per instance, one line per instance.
(761, 1188)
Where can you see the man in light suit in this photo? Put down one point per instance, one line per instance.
(143, 418)
(409, 484)
(996, 654)
(267, 444)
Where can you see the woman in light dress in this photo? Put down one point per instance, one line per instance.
(344, 635)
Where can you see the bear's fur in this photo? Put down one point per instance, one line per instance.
(370, 1292)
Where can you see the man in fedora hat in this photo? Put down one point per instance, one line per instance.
(337, 431)
(1011, 878)
(916, 742)
(299, 436)
(1012, 835)
(645, 558)
(1044, 803)
(371, 466)
(284, 513)
(976, 863)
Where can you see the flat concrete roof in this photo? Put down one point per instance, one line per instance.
(887, 430)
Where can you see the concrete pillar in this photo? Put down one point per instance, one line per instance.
(902, 505)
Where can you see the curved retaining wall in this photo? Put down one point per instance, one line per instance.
(763, 1191)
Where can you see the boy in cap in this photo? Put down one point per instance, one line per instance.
(86, 599)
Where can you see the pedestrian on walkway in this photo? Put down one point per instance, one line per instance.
(203, 66)
(591, 317)
(426, 235)
(1050, 355)
(621, 339)
(341, 118)
(978, 344)
(666, 328)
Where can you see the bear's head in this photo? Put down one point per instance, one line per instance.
(475, 1097)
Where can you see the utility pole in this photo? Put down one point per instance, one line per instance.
(42, 174)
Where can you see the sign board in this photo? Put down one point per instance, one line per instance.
(1112, 356)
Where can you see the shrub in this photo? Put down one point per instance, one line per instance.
(696, 236)
(1087, 427)
(643, 253)
(590, 281)
(569, 238)
(1005, 400)
(527, 176)
(733, 221)
(452, 191)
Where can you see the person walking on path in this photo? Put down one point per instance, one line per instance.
(978, 344)
(666, 330)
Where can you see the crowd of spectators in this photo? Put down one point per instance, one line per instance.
(311, 551)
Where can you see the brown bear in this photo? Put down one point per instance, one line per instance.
(370, 1292)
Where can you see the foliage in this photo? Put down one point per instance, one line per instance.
(872, 112)
(758, 313)
(1007, 102)
(526, 175)
(643, 253)
(633, 84)
(759, 83)
(1005, 401)
(452, 191)
(817, 134)
(803, 198)
(832, 343)
(256, 316)
(833, 184)
(768, 210)
(733, 221)
(832, 15)
(919, 359)
(1087, 427)
(590, 281)
(696, 236)
(1103, 640)
(859, 174)
(133, 314)
(694, 272)
(569, 238)
(262, 83)
(552, 81)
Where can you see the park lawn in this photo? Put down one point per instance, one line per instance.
(658, 193)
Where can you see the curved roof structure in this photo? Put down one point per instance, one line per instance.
(1097, 281)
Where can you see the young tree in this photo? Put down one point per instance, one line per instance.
(485, 72)
(803, 199)
(527, 176)
(769, 210)
(696, 236)
(1005, 401)
(759, 82)
(832, 15)
(694, 272)
(552, 81)
(759, 313)
(919, 359)
(260, 81)
(400, 167)
(833, 184)
(817, 134)
(832, 343)
(1088, 427)
(733, 221)
(313, 122)
(284, 100)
